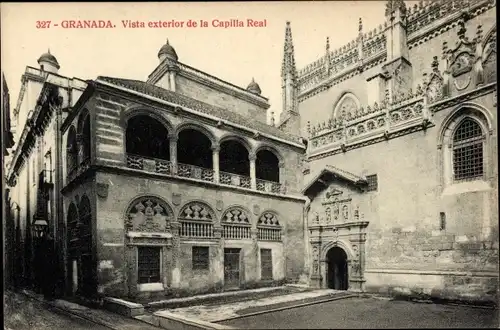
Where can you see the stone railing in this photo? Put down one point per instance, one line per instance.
(149, 164)
(230, 231)
(235, 180)
(162, 166)
(195, 172)
(269, 186)
(367, 122)
(268, 234)
(196, 229)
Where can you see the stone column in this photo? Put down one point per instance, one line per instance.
(317, 268)
(253, 177)
(176, 275)
(215, 162)
(281, 165)
(173, 152)
(219, 256)
(172, 80)
(255, 253)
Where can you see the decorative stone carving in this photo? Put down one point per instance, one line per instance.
(236, 215)
(256, 209)
(219, 205)
(345, 212)
(268, 219)
(197, 211)
(102, 189)
(176, 199)
(148, 214)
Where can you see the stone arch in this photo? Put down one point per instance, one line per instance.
(268, 147)
(490, 35)
(349, 100)
(232, 220)
(133, 111)
(269, 218)
(344, 245)
(473, 110)
(198, 127)
(148, 212)
(197, 210)
(81, 120)
(71, 150)
(242, 140)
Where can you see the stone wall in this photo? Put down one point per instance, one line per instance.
(209, 95)
(121, 189)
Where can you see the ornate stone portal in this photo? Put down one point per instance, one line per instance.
(335, 221)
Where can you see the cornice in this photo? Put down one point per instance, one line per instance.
(117, 169)
(450, 102)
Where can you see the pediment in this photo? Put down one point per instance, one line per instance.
(331, 174)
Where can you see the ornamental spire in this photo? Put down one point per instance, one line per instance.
(288, 65)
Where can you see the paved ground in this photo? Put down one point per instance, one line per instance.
(219, 312)
(24, 313)
(371, 313)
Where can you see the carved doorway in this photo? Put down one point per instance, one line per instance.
(337, 275)
(231, 268)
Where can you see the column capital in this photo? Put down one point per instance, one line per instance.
(252, 156)
(281, 164)
(215, 148)
(173, 137)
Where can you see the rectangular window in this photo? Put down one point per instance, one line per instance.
(266, 264)
(372, 182)
(148, 262)
(201, 257)
(442, 221)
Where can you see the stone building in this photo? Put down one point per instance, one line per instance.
(33, 175)
(401, 167)
(179, 185)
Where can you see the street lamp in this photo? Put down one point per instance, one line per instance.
(40, 228)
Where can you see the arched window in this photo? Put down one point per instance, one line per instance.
(267, 171)
(233, 159)
(236, 223)
(85, 140)
(468, 160)
(87, 282)
(197, 220)
(346, 107)
(147, 137)
(268, 227)
(194, 154)
(85, 224)
(71, 151)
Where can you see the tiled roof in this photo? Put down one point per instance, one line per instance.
(196, 105)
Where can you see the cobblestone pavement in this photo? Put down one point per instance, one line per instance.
(24, 313)
(371, 313)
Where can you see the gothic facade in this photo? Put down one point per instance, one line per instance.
(401, 165)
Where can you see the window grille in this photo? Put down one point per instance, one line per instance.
(372, 182)
(468, 151)
(442, 221)
(148, 262)
(200, 257)
(266, 264)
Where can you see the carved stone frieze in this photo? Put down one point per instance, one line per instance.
(148, 214)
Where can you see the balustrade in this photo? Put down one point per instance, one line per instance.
(196, 229)
(235, 232)
(268, 186)
(269, 234)
(235, 180)
(200, 173)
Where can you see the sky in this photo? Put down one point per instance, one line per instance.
(233, 54)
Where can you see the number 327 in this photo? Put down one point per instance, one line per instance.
(42, 24)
